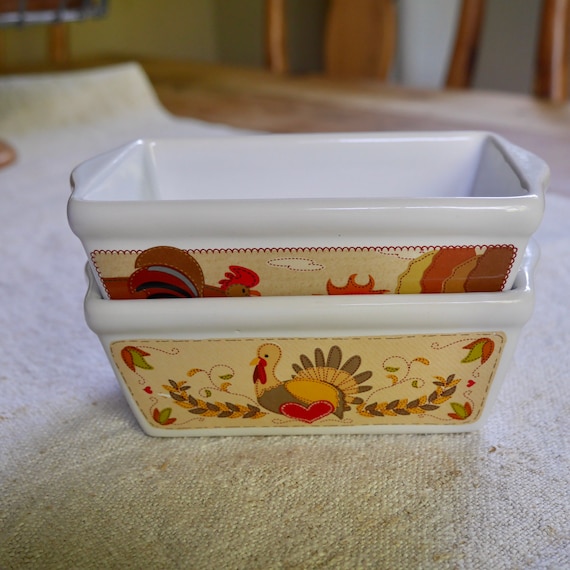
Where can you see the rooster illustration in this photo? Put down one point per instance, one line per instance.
(167, 272)
(238, 282)
(315, 391)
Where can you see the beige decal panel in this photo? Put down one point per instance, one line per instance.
(437, 379)
(168, 271)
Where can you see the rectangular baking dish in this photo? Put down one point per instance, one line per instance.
(322, 364)
(323, 214)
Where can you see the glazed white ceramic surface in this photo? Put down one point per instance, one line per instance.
(311, 191)
(341, 317)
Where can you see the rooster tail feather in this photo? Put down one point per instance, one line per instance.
(163, 282)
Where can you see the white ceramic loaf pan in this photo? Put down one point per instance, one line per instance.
(298, 365)
(319, 214)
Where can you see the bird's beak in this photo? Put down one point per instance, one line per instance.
(255, 361)
(254, 293)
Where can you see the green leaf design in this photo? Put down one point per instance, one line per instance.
(459, 410)
(474, 354)
(391, 368)
(133, 357)
(481, 348)
(140, 362)
(164, 415)
(226, 376)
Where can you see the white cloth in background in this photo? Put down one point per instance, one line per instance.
(82, 487)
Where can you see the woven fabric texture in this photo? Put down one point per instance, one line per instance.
(81, 487)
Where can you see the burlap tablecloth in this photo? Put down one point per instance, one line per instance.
(82, 487)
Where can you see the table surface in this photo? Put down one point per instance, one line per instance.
(252, 98)
(82, 487)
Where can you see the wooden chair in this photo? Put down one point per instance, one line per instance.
(551, 66)
(55, 14)
(360, 40)
(360, 37)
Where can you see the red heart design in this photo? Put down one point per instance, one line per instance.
(470, 383)
(308, 414)
(148, 390)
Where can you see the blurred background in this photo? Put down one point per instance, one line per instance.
(232, 32)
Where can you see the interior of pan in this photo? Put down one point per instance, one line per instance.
(304, 166)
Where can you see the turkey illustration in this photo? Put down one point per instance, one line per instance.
(316, 390)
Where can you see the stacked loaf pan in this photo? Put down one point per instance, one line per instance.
(290, 284)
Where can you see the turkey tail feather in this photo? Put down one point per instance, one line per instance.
(362, 377)
(335, 357)
(352, 364)
(319, 358)
(306, 362)
(329, 371)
